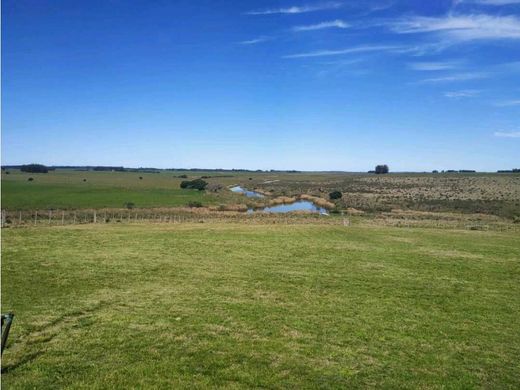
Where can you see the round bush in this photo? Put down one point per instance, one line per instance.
(335, 195)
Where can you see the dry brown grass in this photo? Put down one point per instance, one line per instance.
(282, 200)
(497, 194)
(318, 201)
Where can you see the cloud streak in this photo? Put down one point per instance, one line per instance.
(462, 27)
(508, 103)
(507, 134)
(455, 77)
(467, 93)
(358, 49)
(254, 41)
(297, 9)
(492, 2)
(323, 25)
(431, 66)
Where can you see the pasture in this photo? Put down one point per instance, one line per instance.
(485, 193)
(272, 306)
(67, 189)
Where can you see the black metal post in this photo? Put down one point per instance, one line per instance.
(8, 319)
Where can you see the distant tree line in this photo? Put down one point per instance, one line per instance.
(151, 169)
(459, 171)
(229, 170)
(102, 168)
(514, 170)
(34, 168)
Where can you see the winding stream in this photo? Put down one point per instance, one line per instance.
(300, 205)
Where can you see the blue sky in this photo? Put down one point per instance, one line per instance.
(310, 85)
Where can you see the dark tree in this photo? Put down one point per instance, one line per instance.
(30, 179)
(140, 178)
(197, 184)
(129, 205)
(382, 169)
(34, 168)
(335, 195)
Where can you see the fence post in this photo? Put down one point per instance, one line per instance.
(50, 216)
(20, 218)
(35, 217)
(74, 220)
(63, 217)
(95, 216)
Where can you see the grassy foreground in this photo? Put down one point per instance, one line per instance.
(209, 305)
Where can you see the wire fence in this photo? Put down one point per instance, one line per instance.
(20, 218)
(28, 218)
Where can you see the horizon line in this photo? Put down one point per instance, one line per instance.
(16, 166)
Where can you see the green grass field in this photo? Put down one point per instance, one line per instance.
(238, 306)
(66, 189)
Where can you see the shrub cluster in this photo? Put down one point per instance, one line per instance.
(197, 184)
(335, 195)
(382, 169)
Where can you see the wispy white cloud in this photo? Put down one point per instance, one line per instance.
(455, 77)
(358, 49)
(297, 9)
(510, 66)
(254, 41)
(507, 134)
(491, 2)
(431, 66)
(508, 103)
(467, 93)
(462, 27)
(343, 62)
(320, 26)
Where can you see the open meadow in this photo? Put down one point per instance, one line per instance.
(296, 194)
(70, 189)
(412, 281)
(271, 306)
(485, 193)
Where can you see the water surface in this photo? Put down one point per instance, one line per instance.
(249, 194)
(301, 205)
